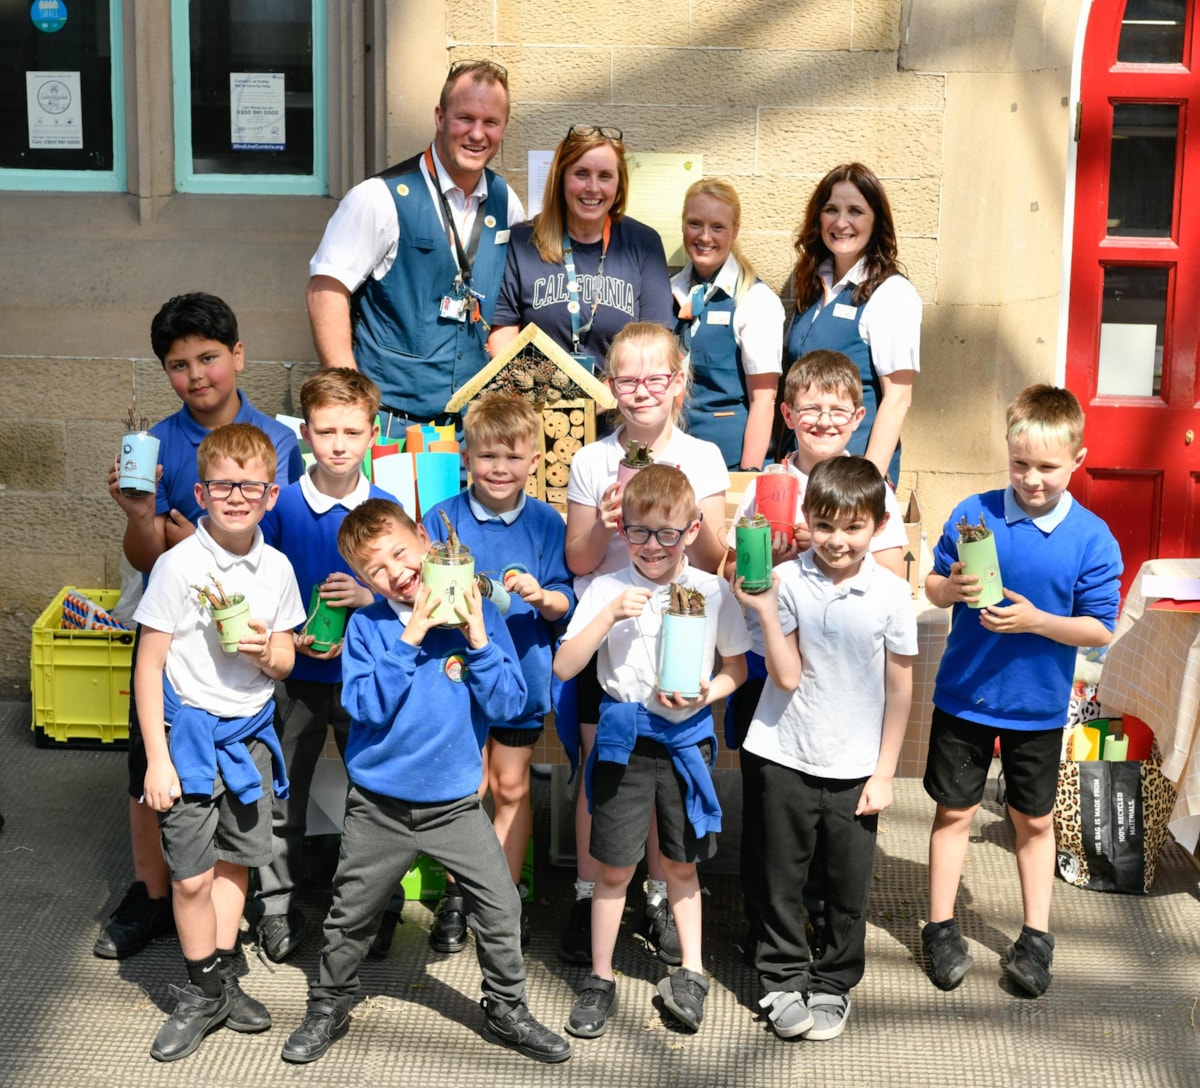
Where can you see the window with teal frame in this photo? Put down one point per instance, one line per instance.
(62, 82)
(250, 96)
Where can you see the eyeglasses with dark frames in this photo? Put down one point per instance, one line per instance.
(605, 132)
(252, 490)
(668, 537)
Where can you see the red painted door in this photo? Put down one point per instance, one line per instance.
(1134, 317)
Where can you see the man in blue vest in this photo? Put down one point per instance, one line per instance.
(405, 280)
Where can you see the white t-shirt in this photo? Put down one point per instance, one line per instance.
(361, 237)
(627, 662)
(894, 534)
(832, 724)
(202, 674)
(594, 469)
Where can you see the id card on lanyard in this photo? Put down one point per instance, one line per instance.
(464, 300)
(574, 295)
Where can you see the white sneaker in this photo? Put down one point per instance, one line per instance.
(787, 1012)
(828, 1013)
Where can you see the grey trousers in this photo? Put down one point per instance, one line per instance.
(304, 709)
(381, 837)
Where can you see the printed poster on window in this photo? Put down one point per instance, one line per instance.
(52, 102)
(256, 121)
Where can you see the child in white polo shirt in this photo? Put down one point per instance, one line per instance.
(840, 636)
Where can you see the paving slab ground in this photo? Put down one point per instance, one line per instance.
(1122, 1009)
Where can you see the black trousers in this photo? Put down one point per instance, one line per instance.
(801, 816)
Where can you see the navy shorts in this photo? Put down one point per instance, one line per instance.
(960, 754)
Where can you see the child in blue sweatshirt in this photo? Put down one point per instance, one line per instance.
(421, 698)
(517, 541)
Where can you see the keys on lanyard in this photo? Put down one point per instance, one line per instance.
(464, 301)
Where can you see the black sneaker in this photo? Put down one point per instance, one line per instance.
(136, 922)
(194, 1017)
(575, 945)
(1029, 959)
(519, 1031)
(381, 945)
(324, 1024)
(245, 1013)
(597, 1001)
(658, 927)
(946, 954)
(279, 935)
(683, 992)
(449, 933)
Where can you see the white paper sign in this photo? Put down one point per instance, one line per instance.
(55, 116)
(539, 171)
(1127, 357)
(256, 118)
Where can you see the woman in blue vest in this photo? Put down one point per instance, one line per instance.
(582, 269)
(731, 327)
(851, 296)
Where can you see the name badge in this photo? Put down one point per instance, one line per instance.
(849, 313)
(719, 317)
(453, 308)
(502, 237)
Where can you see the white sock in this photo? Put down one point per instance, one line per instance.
(584, 889)
(656, 891)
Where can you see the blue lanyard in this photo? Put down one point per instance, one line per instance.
(574, 302)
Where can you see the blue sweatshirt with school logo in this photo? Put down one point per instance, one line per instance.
(420, 714)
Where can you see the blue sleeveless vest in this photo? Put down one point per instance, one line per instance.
(719, 404)
(416, 357)
(817, 328)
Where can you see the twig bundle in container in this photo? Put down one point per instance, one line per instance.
(681, 656)
(230, 613)
(752, 545)
(138, 464)
(637, 457)
(448, 572)
(977, 550)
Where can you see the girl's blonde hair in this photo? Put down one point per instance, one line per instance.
(651, 338)
(550, 223)
(720, 189)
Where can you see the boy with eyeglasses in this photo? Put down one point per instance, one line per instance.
(653, 749)
(195, 337)
(213, 761)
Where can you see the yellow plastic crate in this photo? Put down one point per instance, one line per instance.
(80, 679)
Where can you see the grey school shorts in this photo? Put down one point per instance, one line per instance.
(198, 831)
(625, 795)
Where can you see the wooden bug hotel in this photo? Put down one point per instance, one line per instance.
(565, 394)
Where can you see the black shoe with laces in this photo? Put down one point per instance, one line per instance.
(245, 1013)
(1029, 958)
(279, 935)
(324, 1024)
(945, 954)
(658, 927)
(136, 922)
(519, 1031)
(683, 992)
(194, 1017)
(597, 1001)
(575, 945)
(449, 933)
